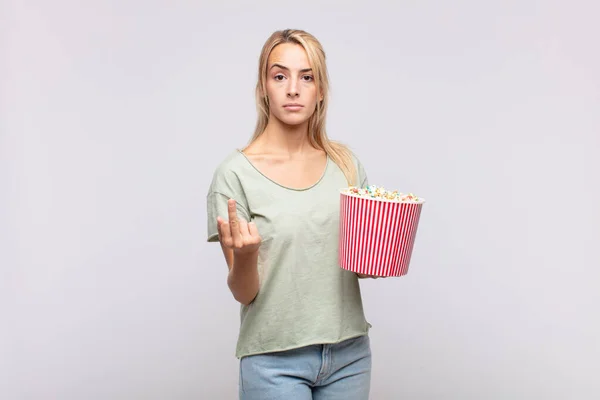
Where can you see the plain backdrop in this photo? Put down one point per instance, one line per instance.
(114, 115)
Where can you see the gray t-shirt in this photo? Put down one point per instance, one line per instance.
(304, 296)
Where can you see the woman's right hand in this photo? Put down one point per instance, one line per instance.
(236, 234)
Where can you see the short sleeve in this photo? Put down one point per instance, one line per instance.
(224, 186)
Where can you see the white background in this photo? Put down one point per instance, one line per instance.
(114, 114)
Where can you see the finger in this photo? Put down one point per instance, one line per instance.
(234, 223)
(364, 276)
(232, 210)
(226, 234)
(245, 234)
(253, 230)
(219, 223)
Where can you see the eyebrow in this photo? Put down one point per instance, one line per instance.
(287, 69)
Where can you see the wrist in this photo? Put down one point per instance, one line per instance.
(243, 258)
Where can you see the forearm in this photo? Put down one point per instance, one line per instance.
(243, 278)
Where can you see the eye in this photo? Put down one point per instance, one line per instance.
(308, 78)
(279, 77)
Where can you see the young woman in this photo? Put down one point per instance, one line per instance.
(274, 207)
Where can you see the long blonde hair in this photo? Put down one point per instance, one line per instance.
(317, 136)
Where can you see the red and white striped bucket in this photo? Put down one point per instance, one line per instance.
(377, 236)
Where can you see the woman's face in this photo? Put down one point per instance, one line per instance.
(290, 84)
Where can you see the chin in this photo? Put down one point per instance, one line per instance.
(293, 120)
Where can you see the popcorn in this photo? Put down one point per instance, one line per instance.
(380, 193)
(377, 230)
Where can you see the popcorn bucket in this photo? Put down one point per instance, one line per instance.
(377, 235)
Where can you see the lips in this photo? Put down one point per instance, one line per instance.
(293, 106)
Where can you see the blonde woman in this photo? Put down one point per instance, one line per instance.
(274, 208)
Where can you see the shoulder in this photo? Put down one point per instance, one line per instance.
(361, 173)
(348, 151)
(228, 174)
(232, 160)
(356, 159)
(350, 159)
(355, 155)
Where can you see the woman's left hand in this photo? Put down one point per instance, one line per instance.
(362, 276)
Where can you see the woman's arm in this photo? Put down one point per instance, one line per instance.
(240, 242)
(243, 275)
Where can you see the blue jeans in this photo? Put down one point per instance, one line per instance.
(340, 371)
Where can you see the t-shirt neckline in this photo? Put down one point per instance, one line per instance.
(283, 186)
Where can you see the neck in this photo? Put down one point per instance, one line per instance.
(285, 139)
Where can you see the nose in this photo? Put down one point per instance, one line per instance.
(293, 90)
